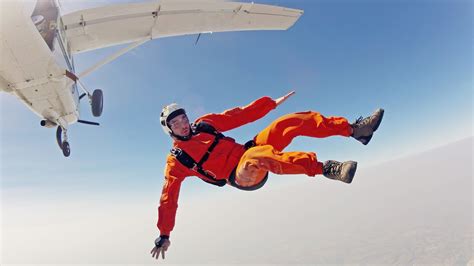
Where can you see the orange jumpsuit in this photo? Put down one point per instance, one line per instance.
(252, 164)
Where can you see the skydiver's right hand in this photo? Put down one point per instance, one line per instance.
(284, 98)
(162, 244)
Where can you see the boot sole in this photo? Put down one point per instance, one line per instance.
(380, 119)
(366, 140)
(351, 173)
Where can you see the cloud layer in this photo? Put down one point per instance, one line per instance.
(415, 210)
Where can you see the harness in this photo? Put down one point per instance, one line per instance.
(186, 160)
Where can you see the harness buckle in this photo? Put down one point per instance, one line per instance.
(210, 173)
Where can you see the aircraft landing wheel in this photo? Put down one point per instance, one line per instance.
(59, 132)
(66, 149)
(97, 102)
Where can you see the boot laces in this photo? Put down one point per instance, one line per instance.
(360, 122)
(334, 168)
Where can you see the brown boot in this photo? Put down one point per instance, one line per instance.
(364, 128)
(340, 171)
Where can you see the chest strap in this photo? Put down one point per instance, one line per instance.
(185, 159)
(190, 163)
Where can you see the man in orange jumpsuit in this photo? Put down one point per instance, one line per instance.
(200, 149)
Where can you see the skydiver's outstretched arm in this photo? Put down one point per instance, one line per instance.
(239, 116)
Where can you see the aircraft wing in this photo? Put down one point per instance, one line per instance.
(123, 23)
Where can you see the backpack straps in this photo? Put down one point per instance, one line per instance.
(190, 163)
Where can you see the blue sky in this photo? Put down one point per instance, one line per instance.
(344, 58)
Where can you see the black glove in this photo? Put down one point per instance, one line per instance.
(160, 240)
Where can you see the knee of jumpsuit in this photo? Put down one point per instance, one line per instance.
(256, 161)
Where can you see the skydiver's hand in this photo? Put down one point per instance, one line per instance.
(162, 244)
(282, 99)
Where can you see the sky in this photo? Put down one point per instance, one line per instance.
(343, 58)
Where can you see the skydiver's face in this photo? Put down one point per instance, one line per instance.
(180, 125)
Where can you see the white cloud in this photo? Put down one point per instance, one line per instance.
(415, 210)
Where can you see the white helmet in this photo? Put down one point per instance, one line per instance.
(169, 112)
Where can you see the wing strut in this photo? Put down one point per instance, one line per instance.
(113, 57)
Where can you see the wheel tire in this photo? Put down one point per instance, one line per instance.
(97, 103)
(59, 131)
(66, 149)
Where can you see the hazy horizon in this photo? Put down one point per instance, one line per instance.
(378, 219)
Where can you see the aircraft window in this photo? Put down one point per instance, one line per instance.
(38, 19)
(44, 17)
(39, 22)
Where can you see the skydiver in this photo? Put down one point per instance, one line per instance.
(200, 149)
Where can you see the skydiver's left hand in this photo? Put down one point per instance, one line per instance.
(161, 245)
(284, 98)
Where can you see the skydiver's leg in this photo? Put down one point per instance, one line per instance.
(281, 132)
(267, 156)
(257, 161)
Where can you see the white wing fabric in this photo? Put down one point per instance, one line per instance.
(124, 23)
